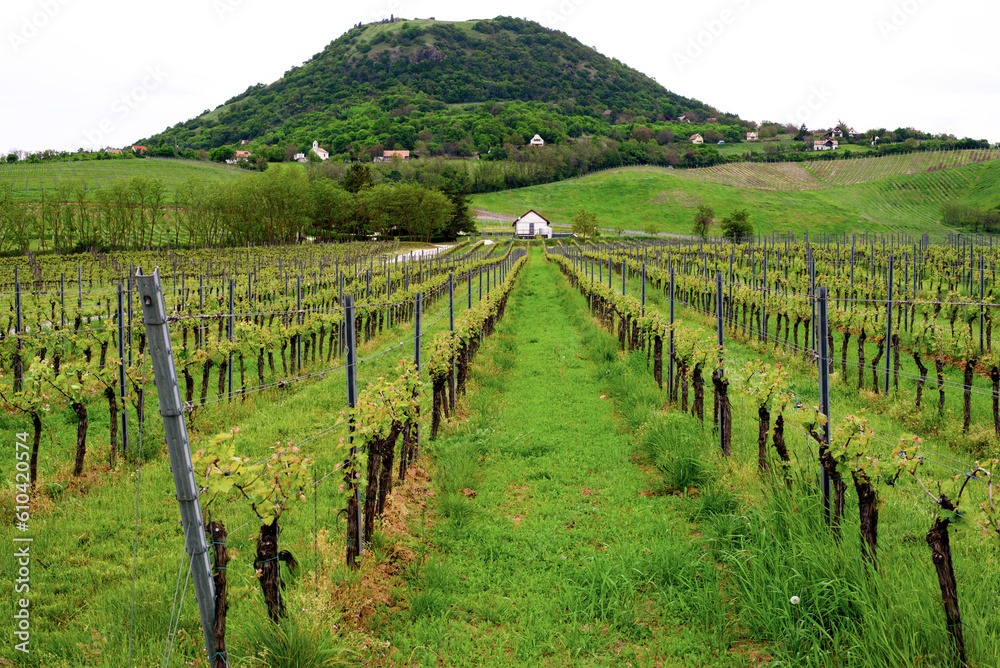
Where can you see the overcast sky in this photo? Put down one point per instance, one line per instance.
(108, 72)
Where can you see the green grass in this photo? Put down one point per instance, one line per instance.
(667, 199)
(28, 180)
(774, 544)
(563, 556)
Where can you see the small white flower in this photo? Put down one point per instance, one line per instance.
(795, 600)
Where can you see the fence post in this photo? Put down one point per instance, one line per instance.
(298, 320)
(175, 433)
(982, 267)
(131, 285)
(763, 302)
(417, 311)
(452, 390)
(670, 348)
(812, 299)
(888, 324)
(18, 364)
(121, 368)
(350, 350)
(824, 387)
(643, 312)
(721, 339)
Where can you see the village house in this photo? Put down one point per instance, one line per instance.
(835, 133)
(825, 145)
(322, 153)
(530, 224)
(116, 151)
(696, 139)
(299, 157)
(851, 132)
(387, 156)
(752, 136)
(537, 141)
(138, 149)
(238, 156)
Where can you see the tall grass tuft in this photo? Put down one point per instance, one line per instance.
(295, 644)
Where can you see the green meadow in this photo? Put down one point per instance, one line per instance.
(664, 200)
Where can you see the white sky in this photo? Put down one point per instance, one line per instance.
(109, 72)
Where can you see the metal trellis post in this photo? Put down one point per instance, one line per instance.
(175, 433)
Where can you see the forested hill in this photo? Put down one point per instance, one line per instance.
(399, 83)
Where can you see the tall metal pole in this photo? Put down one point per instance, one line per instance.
(351, 352)
(888, 323)
(643, 313)
(230, 330)
(451, 328)
(824, 387)
(154, 316)
(121, 367)
(417, 313)
(672, 351)
(721, 339)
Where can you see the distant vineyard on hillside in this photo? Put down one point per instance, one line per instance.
(825, 173)
(759, 176)
(60, 179)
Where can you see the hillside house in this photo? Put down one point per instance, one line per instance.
(238, 156)
(696, 138)
(322, 153)
(537, 141)
(825, 145)
(530, 224)
(116, 151)
(683, 119)
(299, 157)
(244, 142)
(851, 132)
(835, 133)
(387, 156)
(752, 136)
(138, 149)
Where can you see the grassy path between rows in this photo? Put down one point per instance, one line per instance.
(549, 547)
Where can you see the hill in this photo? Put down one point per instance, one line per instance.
(665, 200)
(423, 84)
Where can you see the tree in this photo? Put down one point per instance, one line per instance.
(456, 188)
(585, 224)
(222, 153)
(703, 219)
(737, 226)
(358, 177)
(11, 157)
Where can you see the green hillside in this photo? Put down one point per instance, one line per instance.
(431, 85)
(61, 179)
(665, 200)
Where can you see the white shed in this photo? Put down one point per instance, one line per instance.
(531, 224)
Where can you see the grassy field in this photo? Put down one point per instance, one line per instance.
(665, 200)
(587, 526)
(28, 181)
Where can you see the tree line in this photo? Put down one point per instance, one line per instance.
(275, 206)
